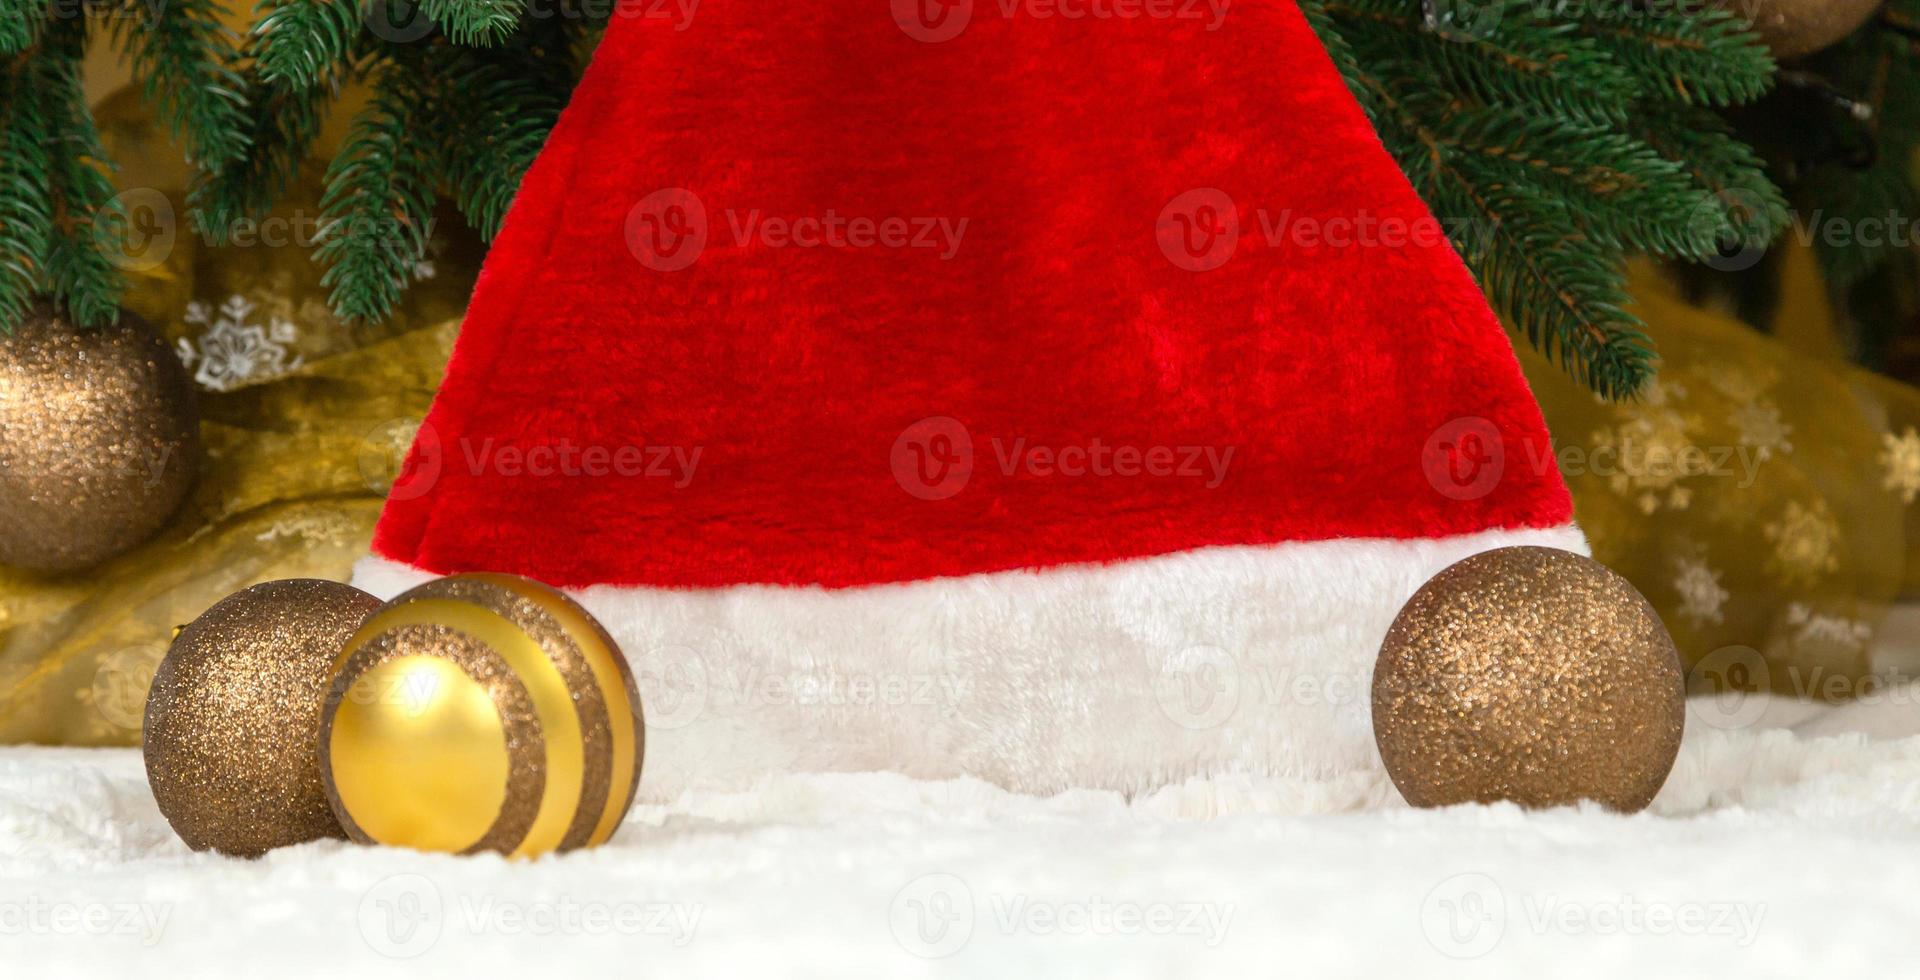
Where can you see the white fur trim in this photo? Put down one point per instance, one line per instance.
(1126, 676)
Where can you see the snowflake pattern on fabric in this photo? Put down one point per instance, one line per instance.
(234, 352)
(1702, 598)
(1838, 631)
(1761, 427)
(1900, 455)
(311, 528)
(1805, 541)
(1647, 447)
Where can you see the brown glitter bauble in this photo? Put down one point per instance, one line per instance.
(233, 721)
(99, 440)
(482, 713)
(1531, 675)
(1795, 28)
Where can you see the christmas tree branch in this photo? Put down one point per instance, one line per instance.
(282, 124)
(1709, 57)
(299, 44)
(20, 24)
(377, 211)
(1739, 207)
(475, 22)
(500, 133)
(1882, 69)
(1544, 68)
(81, 272)
(26, 220)
(182, 56)
(1566, 299)
(1616, 189)
(1528, 130)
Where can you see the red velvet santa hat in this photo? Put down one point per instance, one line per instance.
(967, 388)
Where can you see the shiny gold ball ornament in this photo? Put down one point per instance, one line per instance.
(1528, 674)
(232, 736)
(99, 440)
(482, 713)
(1795, 28)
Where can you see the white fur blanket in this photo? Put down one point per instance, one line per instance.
(1790, 849)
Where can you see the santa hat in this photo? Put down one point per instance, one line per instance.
(967, 388)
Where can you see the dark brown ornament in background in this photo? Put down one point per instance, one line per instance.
(1794, 28)
(233, 721)
(1532, 675)
(99, 440)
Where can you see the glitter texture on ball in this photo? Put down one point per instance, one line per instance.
(232, 734)
(1531, 675)
(99, 440)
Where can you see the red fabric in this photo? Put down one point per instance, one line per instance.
(1325, 366)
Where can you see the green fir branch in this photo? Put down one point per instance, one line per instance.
(377, 210)
(475, 22)
(1882, 70)
(1614, 188)
(1342, 54)
(506, 107)
(298, 44)
(1737, 208)
(183, 57)
(81, 272)
(1565, 295)
(26, 219)
(20, 24)
(1707, 57)
(299, 55)
(1543, 136)
(1507, 58)
(282, 125)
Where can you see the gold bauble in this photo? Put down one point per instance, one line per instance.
(482, 713)
(233, 720)
(1531, 675)
(1793, 28)
(99, 440)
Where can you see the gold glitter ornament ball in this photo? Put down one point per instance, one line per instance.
(99, 440)
(1794, 28)
(482, 713)
(232, 735)
(1532, 675)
